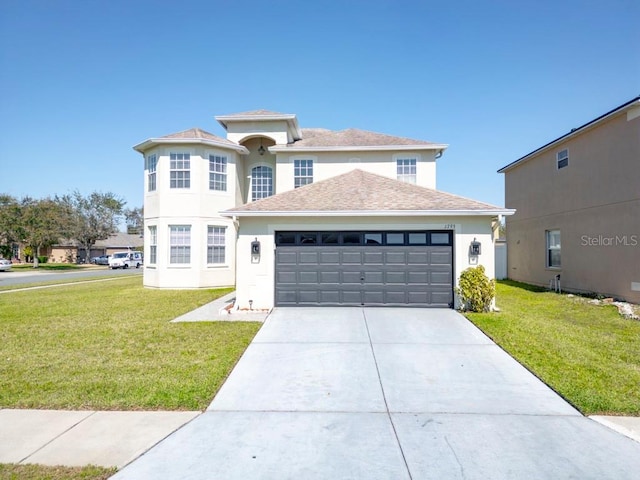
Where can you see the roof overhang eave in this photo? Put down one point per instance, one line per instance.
(152, 142)
(368, 213)
(438, 147)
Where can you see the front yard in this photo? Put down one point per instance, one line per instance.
(589, 354)
(110, 346)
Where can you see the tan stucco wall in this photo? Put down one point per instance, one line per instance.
(256, 281)
(594, 202)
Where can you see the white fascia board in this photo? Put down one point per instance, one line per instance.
(373, 148)
(224, 119)
(152, 142)
(370, 213)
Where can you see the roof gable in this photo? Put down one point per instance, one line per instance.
(359, 191)
(353, 137)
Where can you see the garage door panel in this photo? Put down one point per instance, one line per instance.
(364, 275)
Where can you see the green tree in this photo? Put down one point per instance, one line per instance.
(135, 220)
(40, 223)
(9, 214)
(93, 218)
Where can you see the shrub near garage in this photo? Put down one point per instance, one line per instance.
(476, 290)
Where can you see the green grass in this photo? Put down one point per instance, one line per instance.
(110, 346)
(59, 282)
(41, 472)
(49, 266)
(589, 354)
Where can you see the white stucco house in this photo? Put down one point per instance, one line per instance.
(296, 216)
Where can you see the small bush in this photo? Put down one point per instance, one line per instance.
(43, 259)
(475, 289)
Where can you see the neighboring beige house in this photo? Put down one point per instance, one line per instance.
(296, 216)
(578, 208)
(67, 252)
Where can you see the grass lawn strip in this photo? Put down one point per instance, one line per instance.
(110, 346)
(10, 471)
(587, 353)
(19, 288)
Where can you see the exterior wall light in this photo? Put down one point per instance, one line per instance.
(475, 248)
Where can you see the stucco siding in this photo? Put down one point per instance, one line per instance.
(330, 164)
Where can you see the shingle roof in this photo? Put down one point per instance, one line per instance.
(363, 191)
(198, 133)
(352, 137)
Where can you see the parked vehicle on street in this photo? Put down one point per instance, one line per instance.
(5, 264)
(101, 260)
(125, 260)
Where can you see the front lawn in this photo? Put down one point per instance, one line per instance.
(41, 472)
(589, 354)
(110, 346)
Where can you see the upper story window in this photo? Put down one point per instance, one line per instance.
(153, 244)
(152, 162)
(180, 168)
(261, 182)
(216, 244)
(553, 249)
(562, 158)
(302, 172)
(179, 244)
(217, 173)
(406, 168)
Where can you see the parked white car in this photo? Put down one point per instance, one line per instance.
(5, 264)
(125, 260)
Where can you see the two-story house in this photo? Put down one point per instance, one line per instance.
(297, 216)
(578, 208)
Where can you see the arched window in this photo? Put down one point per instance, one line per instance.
(261, 182)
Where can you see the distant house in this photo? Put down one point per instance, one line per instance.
(68, 252)
(578, 208)
(296, 216)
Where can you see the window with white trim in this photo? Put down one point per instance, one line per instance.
(179, 244)
(406, 170)
(218, 173)
(153, 245)
(152, 162)
(302, 172)
(553, 249)
(562, 158)
(180, 168)
(261, 182)
(216, 244)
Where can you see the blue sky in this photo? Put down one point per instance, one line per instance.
(81, 82)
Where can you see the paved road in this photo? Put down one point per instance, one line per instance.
(17, 277)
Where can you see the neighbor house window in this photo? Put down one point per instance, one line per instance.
(152, 162)
(553, 249)
(180, 167)
(563, 158)
(261, 182)
(217, 173)
(406, 168)
(216, 244)
(180, 244)
(153, 244)
(302, 172)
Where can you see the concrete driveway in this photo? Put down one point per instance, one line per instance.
(385, 393)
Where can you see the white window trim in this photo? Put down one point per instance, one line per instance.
(314, 163)
(154, 173)
(406, 156)
(559, 158)
(548, 248)
(225, 245)
(192, 156)
(273, 179)
(180, 265)
(155, 228)
(217, 154)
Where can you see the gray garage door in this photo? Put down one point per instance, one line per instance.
(364, 268)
